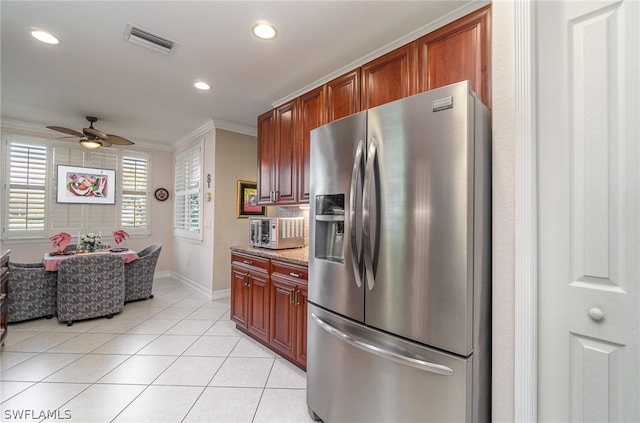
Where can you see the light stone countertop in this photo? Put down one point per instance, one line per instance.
(299, 256)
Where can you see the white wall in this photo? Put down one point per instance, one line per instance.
(228, 157)
(191, 259)
(160, 213)
(504, 119)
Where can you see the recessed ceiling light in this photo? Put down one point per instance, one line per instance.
(44, 36)
(202, 85)
(264, 31)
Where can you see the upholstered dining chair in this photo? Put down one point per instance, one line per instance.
(32, 292)
(138, 274)
(90, 286)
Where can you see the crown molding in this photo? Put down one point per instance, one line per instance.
(205, 127)
(235, 127)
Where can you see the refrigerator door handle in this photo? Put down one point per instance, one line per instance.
(356, 250)
(366, 212)
(373, 349)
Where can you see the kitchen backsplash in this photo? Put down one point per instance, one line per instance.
(295, 211)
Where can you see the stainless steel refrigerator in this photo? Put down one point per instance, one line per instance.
(399, 324)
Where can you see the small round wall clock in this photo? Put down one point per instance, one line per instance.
(161, 194)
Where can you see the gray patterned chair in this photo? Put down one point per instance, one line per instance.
(90, 286)
(138, 274)
(32, 292)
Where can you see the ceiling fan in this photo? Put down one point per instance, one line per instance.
(92, 138)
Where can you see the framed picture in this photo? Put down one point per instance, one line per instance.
(247, 200)
(86, 185)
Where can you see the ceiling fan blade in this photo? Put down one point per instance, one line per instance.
(66, 131)
(95, 133)
(114, 139)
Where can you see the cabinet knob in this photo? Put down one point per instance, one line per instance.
(596, 313)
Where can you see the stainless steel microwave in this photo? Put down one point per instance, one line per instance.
(276, 232)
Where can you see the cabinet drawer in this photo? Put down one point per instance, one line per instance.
(289, 271)
(247, 260)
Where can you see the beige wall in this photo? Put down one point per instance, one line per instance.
(236, 159)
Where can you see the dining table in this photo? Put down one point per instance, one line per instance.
(51, 260)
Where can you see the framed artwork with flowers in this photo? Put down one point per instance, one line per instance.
(86, 185)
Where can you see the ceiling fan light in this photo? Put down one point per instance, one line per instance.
(90, 144)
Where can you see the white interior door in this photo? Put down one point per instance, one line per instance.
(589, 210)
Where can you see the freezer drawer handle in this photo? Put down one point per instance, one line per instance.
(398, 358)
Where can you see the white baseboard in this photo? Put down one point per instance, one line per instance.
(214, 295)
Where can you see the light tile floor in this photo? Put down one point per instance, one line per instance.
(174, 358)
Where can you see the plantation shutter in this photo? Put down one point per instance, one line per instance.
(27, 176)
(135, 199)
(187, 193)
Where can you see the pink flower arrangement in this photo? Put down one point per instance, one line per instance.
(61, 240)
(119, 236)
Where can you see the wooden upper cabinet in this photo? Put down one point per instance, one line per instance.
(277, 150)
(266, 156)
(456, 52)
(389, 77)
(343, 96)
(311, 115)
(286, 154)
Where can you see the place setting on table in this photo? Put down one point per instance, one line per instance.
(89, 243)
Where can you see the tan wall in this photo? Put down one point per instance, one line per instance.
(235, 159)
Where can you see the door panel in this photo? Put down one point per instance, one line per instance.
(589, 231)
(332, 283)
(423, 282)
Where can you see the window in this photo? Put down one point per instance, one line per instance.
(27, 166)
(134, 192)
(30, 210)
(187, 188)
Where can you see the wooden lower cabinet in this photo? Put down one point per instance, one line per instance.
(288, 328)
(250, 295)
(271, 307)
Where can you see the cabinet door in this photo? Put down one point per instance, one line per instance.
(389, 77)
(343, 95)
(258, 319)
(283, 314)
(456, 52)
(266, 156)
(301, 324)
(239, 296)
(312, 115)
(286, 153)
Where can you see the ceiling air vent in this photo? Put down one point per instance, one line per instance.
(149, 40)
